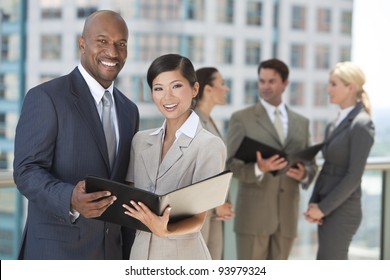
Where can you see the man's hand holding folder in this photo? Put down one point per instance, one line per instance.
(248, 148)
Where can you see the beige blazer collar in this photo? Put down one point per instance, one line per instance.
(157, 168)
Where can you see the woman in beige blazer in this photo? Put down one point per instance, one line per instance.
(169, 158)
(212, 92)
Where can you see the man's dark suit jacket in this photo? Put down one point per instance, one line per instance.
(59, 140)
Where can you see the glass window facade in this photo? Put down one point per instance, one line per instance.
(9, 86)
(224, 51)
(251, 92)
(322, 57)
(297, 93)
(85, 7)
(225, 11)
(324, 20)
(10, 50)
(51, 47)
(51, 9)
(297, 58)
(345, 53)
(252, 52)
(254, 13)
(346, 22)
(298, 17)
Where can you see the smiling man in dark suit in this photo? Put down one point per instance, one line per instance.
(60, 139)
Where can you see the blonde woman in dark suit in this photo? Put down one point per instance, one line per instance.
(171, 157)
(212, 92)
(335, 204)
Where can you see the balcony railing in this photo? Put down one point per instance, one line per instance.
(372, 241)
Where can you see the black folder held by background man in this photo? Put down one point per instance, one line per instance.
(248, 147)
(185, 202)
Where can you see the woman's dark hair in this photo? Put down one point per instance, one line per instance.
(172, 62)
(205, 77)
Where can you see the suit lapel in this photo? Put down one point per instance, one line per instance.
(174, 153)
(347, 121)
(87, 108)
(154, 149)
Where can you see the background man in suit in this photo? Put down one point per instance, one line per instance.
(60, 139)
(267, 205)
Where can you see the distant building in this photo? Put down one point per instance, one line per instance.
(311, 36)
(12, 73)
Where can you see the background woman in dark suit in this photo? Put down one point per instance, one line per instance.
(335, 204)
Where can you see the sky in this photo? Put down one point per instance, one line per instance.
(371, 48)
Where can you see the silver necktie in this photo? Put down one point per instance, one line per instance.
(108, 126)
(279, 125)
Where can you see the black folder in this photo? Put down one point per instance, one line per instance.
(185, 202)
(248, 147)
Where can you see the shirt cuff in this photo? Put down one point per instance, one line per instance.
(258, 173)
(73, 215)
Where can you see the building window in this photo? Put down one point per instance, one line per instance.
(2, 86)
(224, 51)
(86, 7)
(192, 47)
(9, 11)
(320, 94)
(346, 22)
(252, 52)
(9, 47)
(229, 84)
(297, 59)
(9, 86)
(225, 11)
(51, 9)
(254, 13)
(51, 47)
(298, 18)
(322, 57)
(149, 46)
(251, 92)
(194, 9)
(2, 125)
(345, 53)
(324, 20)
(160, 9)
(297, 94)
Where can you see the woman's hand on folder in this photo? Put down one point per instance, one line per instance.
(276, 162)
(158, 225)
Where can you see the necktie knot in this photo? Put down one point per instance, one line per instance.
(107, 99)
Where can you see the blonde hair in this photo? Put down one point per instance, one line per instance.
(350, 73)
